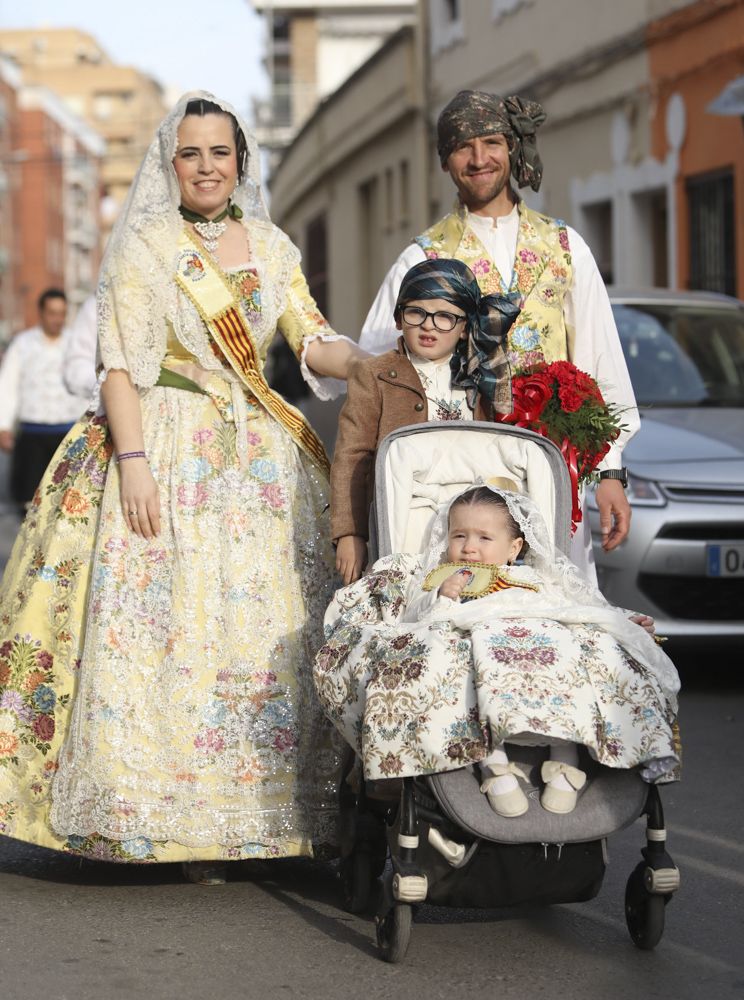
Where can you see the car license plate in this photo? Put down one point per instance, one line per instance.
(725, 560)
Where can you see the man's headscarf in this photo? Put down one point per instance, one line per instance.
(472, 113)
(479, 364)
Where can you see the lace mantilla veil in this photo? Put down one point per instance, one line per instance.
(137, 295)
(566, 590)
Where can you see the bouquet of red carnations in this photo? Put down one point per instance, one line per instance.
(564, 404)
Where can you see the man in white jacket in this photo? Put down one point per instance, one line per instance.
(36, 409)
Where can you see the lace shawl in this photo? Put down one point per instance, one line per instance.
(137, 295)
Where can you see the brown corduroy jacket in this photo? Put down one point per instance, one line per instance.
(383, 394)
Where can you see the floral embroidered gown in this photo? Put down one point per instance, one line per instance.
(156, 698)
(420, 686)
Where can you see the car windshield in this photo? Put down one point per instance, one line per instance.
(683, 355)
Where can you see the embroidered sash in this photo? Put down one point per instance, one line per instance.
(206, 287)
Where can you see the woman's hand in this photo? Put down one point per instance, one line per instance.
(140, 499)
(351, 557)
(454, 585)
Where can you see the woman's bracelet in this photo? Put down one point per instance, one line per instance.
(130, 454)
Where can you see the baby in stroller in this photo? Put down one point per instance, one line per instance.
(434, 690)
(436, 660)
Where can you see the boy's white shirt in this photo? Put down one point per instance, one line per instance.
(436, 381)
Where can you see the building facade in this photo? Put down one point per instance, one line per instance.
(311, 49)
(593, 77)
(11, 315)
(49, 200)
(347, 191)
(57, 161)
(695, 54)
(122, 104)
(633, 158)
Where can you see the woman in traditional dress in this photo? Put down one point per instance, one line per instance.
(165, 596)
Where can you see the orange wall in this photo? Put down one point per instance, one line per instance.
(10, 311)
(39, 210)
(695, 53)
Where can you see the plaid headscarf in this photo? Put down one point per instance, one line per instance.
(472, 113)
(479, 364)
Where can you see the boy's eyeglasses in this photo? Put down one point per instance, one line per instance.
(443, 321)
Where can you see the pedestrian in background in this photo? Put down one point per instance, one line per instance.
(36, 409)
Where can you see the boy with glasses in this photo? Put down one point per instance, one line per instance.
(448, 364)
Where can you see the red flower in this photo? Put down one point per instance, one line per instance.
(571, 400)
(44, 727)
(284, 739)
(566, 405)
(390, 765)
(44, 659)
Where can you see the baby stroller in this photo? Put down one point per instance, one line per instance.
(446, 846)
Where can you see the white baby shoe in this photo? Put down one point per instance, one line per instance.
(557, 799)
(509, 801)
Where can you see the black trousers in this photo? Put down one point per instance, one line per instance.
(32, 453)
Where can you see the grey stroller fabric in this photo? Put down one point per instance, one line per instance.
(611, 800)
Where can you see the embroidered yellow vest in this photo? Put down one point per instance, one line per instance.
(541, 277)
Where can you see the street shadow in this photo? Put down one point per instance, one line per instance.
(337, 927)
(29, 861)
(316, 880)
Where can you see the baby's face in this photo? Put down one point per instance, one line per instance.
(480, 533)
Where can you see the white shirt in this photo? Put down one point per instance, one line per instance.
(444, 401)
(31, 386)
(596, 347)
(79, 371)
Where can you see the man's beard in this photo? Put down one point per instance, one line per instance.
(484, 196)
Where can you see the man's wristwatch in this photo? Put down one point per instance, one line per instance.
(621, 474)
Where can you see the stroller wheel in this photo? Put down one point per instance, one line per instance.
(394, 932)
(644, 911)
(357, 880)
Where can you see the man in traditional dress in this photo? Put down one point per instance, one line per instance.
(482, 141)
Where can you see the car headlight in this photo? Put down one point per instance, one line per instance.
(644, 493)
(640, 493)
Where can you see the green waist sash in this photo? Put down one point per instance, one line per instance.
(172, 380)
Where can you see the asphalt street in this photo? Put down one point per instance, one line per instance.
(79, 930)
